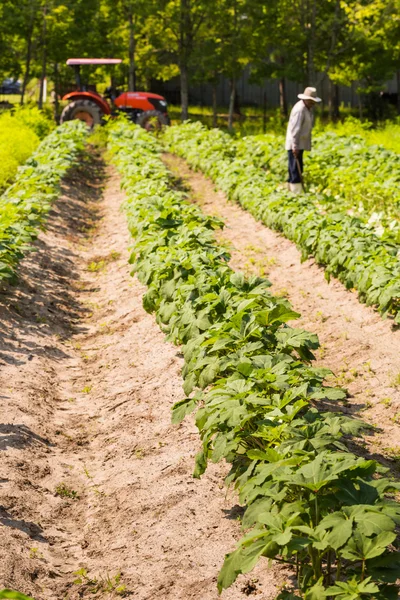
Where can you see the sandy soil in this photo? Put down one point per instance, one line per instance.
(93, 476)
(361, 348)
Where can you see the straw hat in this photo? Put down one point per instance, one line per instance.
(310, 93)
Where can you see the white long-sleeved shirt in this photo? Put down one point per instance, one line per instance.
(298, 135)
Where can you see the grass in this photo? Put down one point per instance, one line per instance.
(100, 264)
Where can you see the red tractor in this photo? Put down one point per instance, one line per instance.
(143, 108)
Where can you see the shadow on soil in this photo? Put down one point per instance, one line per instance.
(19, 436)
(33, 530)
(43, 304)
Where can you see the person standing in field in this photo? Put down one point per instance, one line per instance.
(298, 136)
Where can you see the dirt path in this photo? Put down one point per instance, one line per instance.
(362, 349)
(93, 475)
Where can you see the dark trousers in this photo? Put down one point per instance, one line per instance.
(294, 175)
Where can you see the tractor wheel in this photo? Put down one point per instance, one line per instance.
(152, 120)
(84, 110)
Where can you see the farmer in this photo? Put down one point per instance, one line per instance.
(298, 136)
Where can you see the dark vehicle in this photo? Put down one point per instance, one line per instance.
(10, 86)
(145, 109)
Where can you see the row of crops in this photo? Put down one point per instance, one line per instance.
(337, 231)
(24, 205)
(343, 173)
(34, 168)
(311, 502)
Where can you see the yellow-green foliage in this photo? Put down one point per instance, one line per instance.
(20, 134)
(386, 135)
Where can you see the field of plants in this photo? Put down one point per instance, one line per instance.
(311, 503)
(343, 231)
(24, 205)
(312, 498)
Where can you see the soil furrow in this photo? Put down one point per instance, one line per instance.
(362, 350)
(94, 477)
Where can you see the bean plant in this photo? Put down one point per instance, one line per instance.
(347, 247)
(311, 500)
(25, 204)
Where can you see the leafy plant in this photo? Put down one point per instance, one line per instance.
(102, 584)
(14, 595)
(24, 205)
(260, 404)
(250, 171)
(64, 491)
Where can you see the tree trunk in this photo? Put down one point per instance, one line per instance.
(131, 53)
(311, 41)
(264, 111)
(236, 106)
(231, 104)
(330, 100)
(184, 92)
(185, 34)
(28, 53)
(214, 104)
(398, 91)
(336, 102)
(56, 93)
(44, 58)
(282, 97)
(360, 110)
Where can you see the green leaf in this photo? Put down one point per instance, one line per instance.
(181, 409)
(360, 547)
(340, 529)
(14, 595)
(316, 592)
(190, 382)
(242, 560)
(354, 589)
(209, 374)
(200, 465)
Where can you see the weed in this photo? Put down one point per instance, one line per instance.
(251, 248)
(396, 381)
(101, 584)
(393, 452)
(40, 319)
(367, 405)
(64, 491)
(34, 553)
(368, 367)
(95, 267)
(87, 389)
(282, 293)
(386, 402)
(321, 317)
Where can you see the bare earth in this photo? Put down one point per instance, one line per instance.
(361, 348)
(94, 476)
